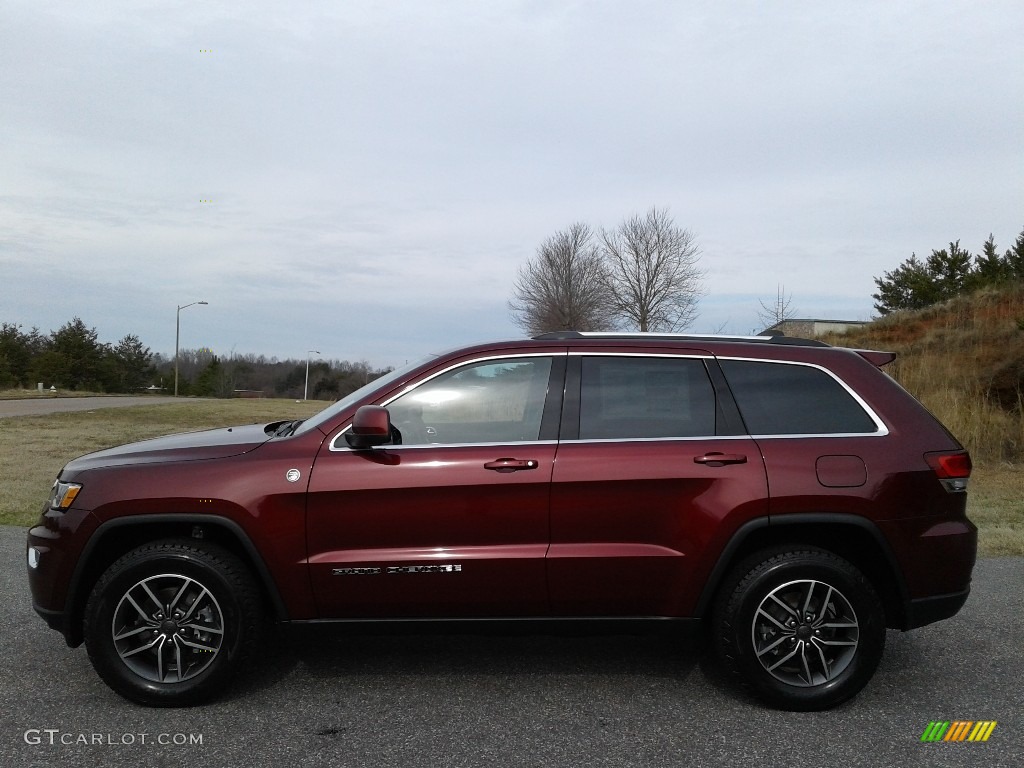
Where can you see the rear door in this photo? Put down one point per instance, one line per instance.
(653, 474)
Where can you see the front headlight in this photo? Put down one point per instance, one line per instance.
(63, 494)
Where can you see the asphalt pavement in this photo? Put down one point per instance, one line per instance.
(41, 405)
(529, 700)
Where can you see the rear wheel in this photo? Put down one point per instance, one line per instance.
(804, 629)
(169, 623)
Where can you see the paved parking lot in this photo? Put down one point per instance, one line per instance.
(465, 700)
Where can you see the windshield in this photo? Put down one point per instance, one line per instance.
(352, 398)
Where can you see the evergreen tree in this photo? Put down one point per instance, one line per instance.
(949, 270)
(211, 382)
(131, 364)
(989, 267)
(1015, 258)
(946, 273)
(909, 286)
(73, 359)
(17, 350)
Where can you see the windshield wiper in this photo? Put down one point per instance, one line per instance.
(287, 428)
(283, 428)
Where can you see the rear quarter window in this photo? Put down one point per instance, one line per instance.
(789, 399)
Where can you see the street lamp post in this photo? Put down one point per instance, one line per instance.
(177, 339)
(305, 392)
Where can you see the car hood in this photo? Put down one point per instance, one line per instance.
(187, 446)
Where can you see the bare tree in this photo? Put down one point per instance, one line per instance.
(778, 311)
(652, 272)
(564, 287)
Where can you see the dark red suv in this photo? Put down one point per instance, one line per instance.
(788, 493)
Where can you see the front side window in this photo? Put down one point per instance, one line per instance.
(645, 397)
(787, 399)
(497, 401)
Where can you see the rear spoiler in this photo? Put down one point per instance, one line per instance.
(875, 357)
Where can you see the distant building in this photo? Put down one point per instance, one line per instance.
(808, 328)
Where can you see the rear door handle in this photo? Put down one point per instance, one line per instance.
(511, 465)
(720, 459)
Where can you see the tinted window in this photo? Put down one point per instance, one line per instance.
(497, 401)
(779, 399)
(634, 397)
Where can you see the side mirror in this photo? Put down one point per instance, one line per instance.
(370, 426)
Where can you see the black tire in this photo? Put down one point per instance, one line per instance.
(789, 657)
(169, 623)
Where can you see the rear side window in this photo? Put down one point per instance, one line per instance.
(640, 397)
(785, 399)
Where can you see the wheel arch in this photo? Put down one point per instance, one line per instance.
(114, 538)
(855, 539)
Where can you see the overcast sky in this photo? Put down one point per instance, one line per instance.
(376, 172)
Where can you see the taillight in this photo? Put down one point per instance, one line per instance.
(952, 469)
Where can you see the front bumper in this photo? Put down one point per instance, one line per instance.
(52, 552)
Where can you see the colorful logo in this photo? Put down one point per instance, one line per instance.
(958, 730)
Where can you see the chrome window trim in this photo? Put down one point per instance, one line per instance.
(708, 438)
(882, 430)
(333, 446)
(700, 438)
(422, 446)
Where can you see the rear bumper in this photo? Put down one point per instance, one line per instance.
(927, 610)
(936, 557)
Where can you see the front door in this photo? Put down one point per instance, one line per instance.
(451, 519)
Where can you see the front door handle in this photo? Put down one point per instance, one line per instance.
(720, 459)
(511, 465)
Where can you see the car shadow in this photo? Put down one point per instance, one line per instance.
(344, 651)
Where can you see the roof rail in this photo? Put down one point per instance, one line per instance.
(772, 338)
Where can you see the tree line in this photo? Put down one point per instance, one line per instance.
(73, 358)
(204, 374)
(643, 275)
(948, 272)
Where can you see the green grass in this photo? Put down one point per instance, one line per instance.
(34, 448)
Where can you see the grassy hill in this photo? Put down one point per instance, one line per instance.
(964, 359)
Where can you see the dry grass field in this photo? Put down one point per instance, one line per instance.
(964, 359)
(996, 505)
(34, 448)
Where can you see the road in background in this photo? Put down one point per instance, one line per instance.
(42, 405)
(480, 701)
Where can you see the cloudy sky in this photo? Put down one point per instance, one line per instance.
(365, 178)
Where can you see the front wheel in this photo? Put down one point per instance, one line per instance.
(169, 623)
(804, 629)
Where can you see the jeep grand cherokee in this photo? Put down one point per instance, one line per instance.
(788, 494)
